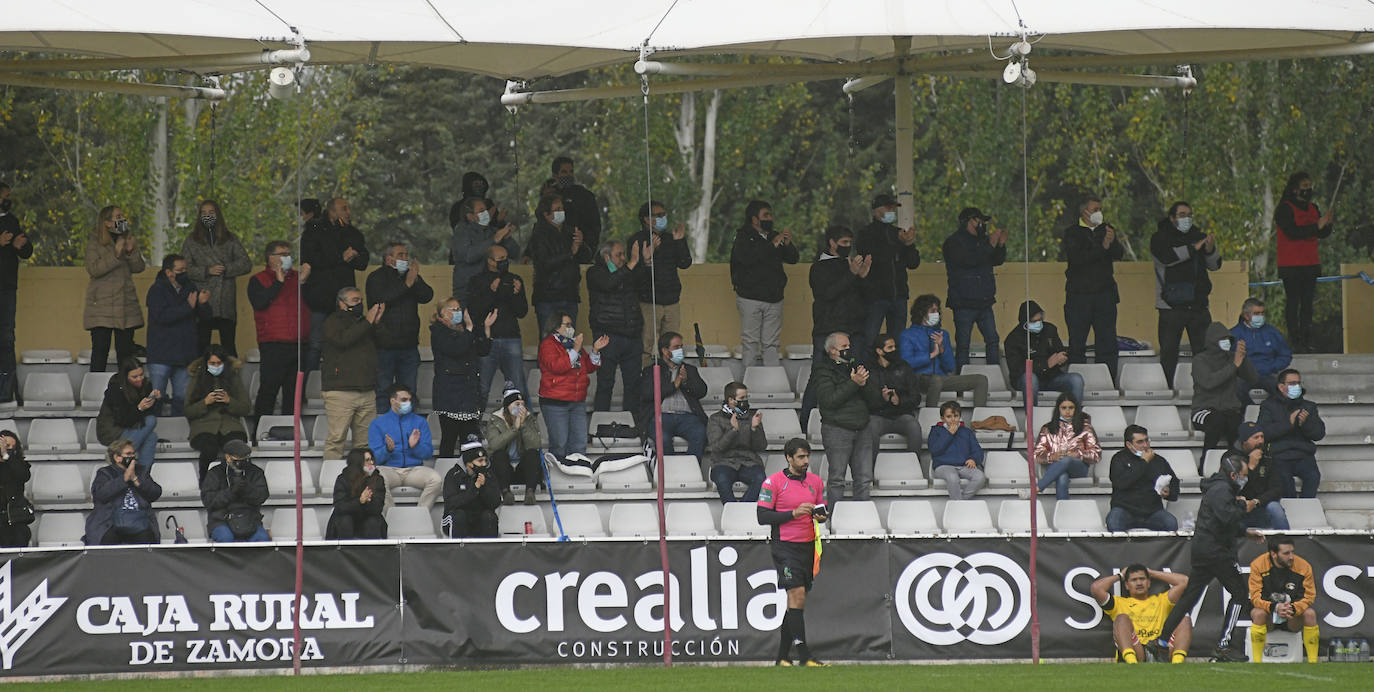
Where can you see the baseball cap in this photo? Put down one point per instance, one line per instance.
(972, 213)
(884, 200)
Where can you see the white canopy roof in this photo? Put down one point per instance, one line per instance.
(537, 38)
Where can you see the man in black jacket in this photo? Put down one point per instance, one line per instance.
(556, 248)
(970, 254)
(584, 211)
(1138, 493)
(660, 289)
(1293, 427)
(1220, 523)
(1263, 509)
(1090, 295)
(471, 495)
(495, 288)
(612, 288)
(892, 251)
(682, 388)
(1038, 341)
(901, 395)
(756, 272)
(14, 246)
(398, 284)
(331, 250)
(1182, 255)
(838, 300)
(234, 492)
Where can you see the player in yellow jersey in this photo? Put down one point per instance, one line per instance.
(1137, 616)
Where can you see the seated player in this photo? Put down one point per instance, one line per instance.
(1282, 590)
(1137, 617)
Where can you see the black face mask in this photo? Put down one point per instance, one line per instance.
(846, 355)
(1305, 195)
(890, 355)
(356, 309)
(767, 226)
(982, 228)
(503, 266)
(843, 250)
(5, 206)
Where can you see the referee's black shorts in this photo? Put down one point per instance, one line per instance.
(795, 562)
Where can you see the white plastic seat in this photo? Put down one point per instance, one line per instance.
(898, 470)
(93, 385)
(45, 356)
(1097, 382)
(442, 465)
(282, 525)
(779, 424)
(60, 529)
(329, 473)
(682, 472)
(1211, 462)
(997, 380)
(1184, 465)
(409, 522)
(626, 480)
(1183, 381)
(1006, 469)
(52, 435)
(1163, 423)
(798, 351)
(911, 516)
(599, 445)
(59, 482)
(1145, 381)
(716, 377)
(179, 480)
(266, 423)
(803, 377)
(48, 391)
(1081, 516)
(177, 433)
(314, 398)
(191, 521)
(1014, 516)
(741, 519)
(928, 417)
(511, 520)
(688, 519)
(968, 516)
(813, 429)
(768, 384)
(581, 520)
(1109, 423)
(630, 519)
(318, 429)
(857, 518)
(983, 412)
(281, 480)
(1305, 513)
(83, 357)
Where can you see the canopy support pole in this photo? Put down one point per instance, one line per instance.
(905, 131)
(130, 88)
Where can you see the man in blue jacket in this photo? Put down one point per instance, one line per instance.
(1264, 345)
(970, 254)
(401, 444)
(174, 304)
(925, 347)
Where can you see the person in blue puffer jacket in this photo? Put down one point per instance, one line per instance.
(1264, 345)
(956, 457)
(927, 349)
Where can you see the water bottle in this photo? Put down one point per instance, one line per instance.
(1189, 522)
(1364, 651)
(1333, 650)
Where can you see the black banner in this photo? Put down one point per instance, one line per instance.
(440, 603)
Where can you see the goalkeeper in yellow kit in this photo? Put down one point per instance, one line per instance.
(1138, 616)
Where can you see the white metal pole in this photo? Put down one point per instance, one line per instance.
(130, 88)
(266, 57)
(905, 164)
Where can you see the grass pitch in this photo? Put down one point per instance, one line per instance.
(965, 678)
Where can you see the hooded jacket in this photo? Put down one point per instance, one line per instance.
(1265, 347)
(731, 447)
(1181, 271)
(1285, 440)
(838, 299)
(1133, 483)
(217, 418)
(462, 494)
(1215, 373)
(172, 338)
(557, 275)
(756, 266)
(969, 260)
(399, 327)
(1042, 345)
(474, 185)
(322, 247)
(119, 409)
(111, 299)
(887, 278)
(1220, 521)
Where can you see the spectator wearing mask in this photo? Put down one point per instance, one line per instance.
(14, 246)
(398, 285)
(735, 441)
(660, 289)
(955, 455)
(846, 393)
(1091, 246)
(310, 209)
(123, 492)
(214, 259)
(925, 347)
(401, 444)
(1038, 341)
(474, 186)
(1217, 410)
(556, 248)
(681, 388)
(564, 374)
(458, 350)
(126, 411)
(756, 272)
(890, 253)
(1067, 447)
(901, 395)
(1262, 490)
(233, 492)
(584, 211)
(1293, 427)
(216, 403)
(1300, 226)
(970, 254)
(331, 251)
(471, 495)
(112, 309)
(174, 307)
(838, 300)
(495, 290)
(470, 246)
(1264, 346)
(512, 432)
(14, 474)
(359, 500)
(612, 286)
(281, 320)
(347, 370)
(1141, 482)
(1182, 255)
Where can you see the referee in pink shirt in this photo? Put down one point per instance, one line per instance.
(788, 501)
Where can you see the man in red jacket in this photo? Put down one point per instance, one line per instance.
(280, 317)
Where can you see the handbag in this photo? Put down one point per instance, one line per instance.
(129, 518)
(243, 524)
(19, 511)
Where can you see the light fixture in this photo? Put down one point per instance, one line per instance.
(281, 83)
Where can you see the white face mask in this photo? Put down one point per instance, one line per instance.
(1224, 344)
(1184, 224)
(483, 217)
(285, 263)
(402, 266)
(569, 332)
(1095, 218)
(558, 217)
(368, 469)
(932, 319)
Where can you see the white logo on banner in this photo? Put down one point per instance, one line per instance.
(983, 598)
(18, 623)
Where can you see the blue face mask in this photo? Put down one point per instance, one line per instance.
(677, 356)
(456, 317)
(610, 266)
(1256, 321)
(402, 266)
(1035, 327)
(1294, 391)
(286, 263)
(1240, 482)
(660, 223)
(215, 370)
(889, 217)
(405, 408)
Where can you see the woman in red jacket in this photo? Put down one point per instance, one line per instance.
(1300, 225)
(564, 372)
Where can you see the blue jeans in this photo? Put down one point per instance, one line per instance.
(566, 423)
(1060, 473)
(1071, 382)
(395, 366)
(144, 438)
(684, 425)
(964, 319)
(222, 534)
(544, 310)
(1270, 516)
(505, 354)
(1119, 520)
(312, 354)
(621, 353)
(725, 478)
(891, 310)
(180, 380)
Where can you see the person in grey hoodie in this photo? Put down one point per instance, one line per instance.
(1217, 411)
(472, 237)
